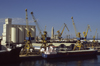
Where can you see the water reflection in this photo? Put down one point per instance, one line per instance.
(92, 61)
(79, 63)
(60, 62)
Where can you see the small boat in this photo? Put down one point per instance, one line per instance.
(52, 52)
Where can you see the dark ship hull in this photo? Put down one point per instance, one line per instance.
(10, 56)
(76, 53)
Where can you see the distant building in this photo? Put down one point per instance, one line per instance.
(15, 33)
(55, 36)
(52, 33)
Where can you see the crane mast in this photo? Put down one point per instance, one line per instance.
(93, 42)
(94, 36)
(88, 29)
(64, 28)
(85, 33)
(28, 45)
(27, 21)
(74, 26)
(62, 31)
(78, 35)
(36, 23)
(60, 34)
(44, 36)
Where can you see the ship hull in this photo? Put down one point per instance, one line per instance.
(10, 56)
(71, 54)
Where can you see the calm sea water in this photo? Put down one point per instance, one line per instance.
(92, 61)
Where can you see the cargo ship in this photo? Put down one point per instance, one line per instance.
(52, 52)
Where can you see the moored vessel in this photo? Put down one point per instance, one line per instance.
(9, 56)
(53, 52)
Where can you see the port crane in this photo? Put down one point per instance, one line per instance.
(44, 36)
(93, 42)
(28, 44)
(85, 33)
(78, 35)
(94, 36)
(60, 34)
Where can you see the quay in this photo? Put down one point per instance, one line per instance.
(55, 44)
(29, 57)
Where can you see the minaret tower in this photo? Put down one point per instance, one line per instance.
(52, 33)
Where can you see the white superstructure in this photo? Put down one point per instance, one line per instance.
(15, 33)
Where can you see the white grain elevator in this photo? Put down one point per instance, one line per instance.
(13, 33)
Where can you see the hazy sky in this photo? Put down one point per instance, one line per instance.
(53, 13)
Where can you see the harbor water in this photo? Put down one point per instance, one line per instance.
(87, 61)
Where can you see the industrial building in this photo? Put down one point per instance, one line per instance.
(13, 33)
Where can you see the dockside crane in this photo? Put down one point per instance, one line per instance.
(94, 36)
(78, 35)
(85, 33)
(60, 34)
(93, 42)
(28, 44)
(44, 37)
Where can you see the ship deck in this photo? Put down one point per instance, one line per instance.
(77, 51)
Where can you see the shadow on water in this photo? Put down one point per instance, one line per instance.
(57, 62)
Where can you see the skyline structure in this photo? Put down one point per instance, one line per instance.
(53, 13)
(52, 33)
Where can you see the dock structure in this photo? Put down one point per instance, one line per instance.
(29, 57)
(55, 44)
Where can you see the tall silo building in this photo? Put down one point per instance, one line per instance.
(13, 33)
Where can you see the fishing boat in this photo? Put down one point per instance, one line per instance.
(53, 52)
